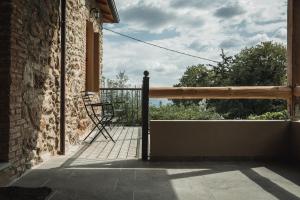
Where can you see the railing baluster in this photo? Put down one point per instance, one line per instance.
(137, 106)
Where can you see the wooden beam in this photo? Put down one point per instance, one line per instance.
(96, 71)
(107, 12)
(108, 18)
(89, 71)
(255, 92)
(104, 8)
(296, 91)
(293, 56)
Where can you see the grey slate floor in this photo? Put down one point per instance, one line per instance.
(119, 175)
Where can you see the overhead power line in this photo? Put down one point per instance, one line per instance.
(161, 47)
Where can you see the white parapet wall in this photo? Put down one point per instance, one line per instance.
(236, 139)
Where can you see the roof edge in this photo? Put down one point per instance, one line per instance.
(113, 8)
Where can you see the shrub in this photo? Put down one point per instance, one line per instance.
(283, 115)
(180, 112)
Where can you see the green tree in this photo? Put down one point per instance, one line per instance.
(263, 64)
(121, 81)
(194, 76)
(222, 72)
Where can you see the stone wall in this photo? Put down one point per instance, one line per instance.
(34, 114)
(77, 14)
(34, 92)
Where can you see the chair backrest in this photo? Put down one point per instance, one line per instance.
(108, 109)
(106, 96)
(88, 100)
(104, 107)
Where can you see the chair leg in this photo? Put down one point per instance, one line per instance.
(105, 123)
(99, 130)
(90, 133)
(101, 122)
(108, 134)
(96, 137)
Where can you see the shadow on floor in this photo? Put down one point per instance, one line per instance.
(135, 179)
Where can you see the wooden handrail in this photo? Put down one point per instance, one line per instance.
(243, 92)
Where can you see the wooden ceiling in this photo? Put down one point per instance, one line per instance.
(108, 10)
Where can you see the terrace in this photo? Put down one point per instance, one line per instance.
(217, 160)
(187, 159)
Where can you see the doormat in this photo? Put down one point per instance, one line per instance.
(22, 193)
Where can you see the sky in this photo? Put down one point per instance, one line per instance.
(198, 27)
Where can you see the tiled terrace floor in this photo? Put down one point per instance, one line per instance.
(105, 171)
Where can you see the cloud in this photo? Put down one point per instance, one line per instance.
(243, 28)
(229, 11)
(230, 43)
(258, 38)
(197, 27)
(270, 21)
(281, 34)
(194, 3)
(197, 46)
(195, 21)
(155, 18)
(148, 16)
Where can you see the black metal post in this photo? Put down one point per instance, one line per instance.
(62, 76)
(145, 115)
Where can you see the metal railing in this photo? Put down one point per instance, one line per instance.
(126, 102)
